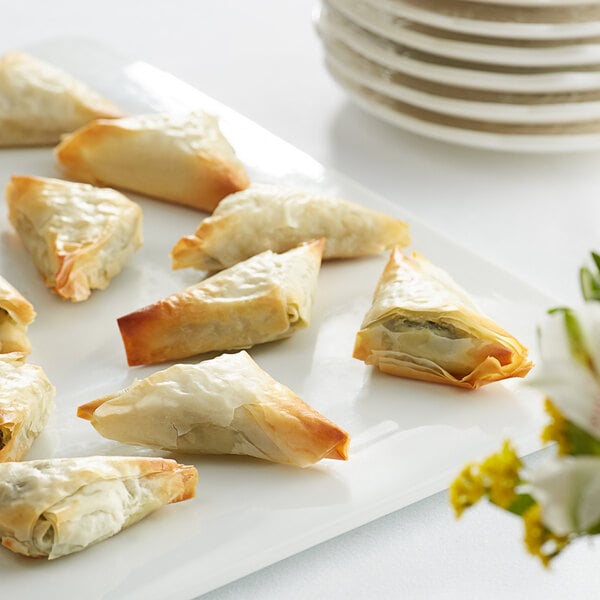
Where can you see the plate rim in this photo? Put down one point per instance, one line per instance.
(375, 40)
(498, 112)
(499, 29)
(528, 144)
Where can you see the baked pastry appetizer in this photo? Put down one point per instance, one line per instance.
(39, 102)
(422, 325)
(16, 313)
(79, 236)
(181, 158)
(59, 506)
(265, 217)
(227, 405)
(265, 298)
(26, 400)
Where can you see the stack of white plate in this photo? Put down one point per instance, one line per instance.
(520, 75)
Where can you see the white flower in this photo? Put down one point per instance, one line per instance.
(569, 371)
(568, 492)
(559, 499)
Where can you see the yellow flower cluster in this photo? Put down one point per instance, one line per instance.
(496, 477)
(539, 540)
(467, 489)
(556, 430)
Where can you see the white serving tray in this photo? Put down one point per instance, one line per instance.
(408, 438)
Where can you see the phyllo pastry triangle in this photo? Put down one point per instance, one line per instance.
(265, 298)
(181, 158)
(59, 506)
(422, 325)
(227, 405)
(26, 400)
(265, 217)
(39, 102)
(79, 236)
(16, 313)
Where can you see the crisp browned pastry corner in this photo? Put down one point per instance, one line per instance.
(26, 400)
(51, 508)
(265, 298)
(266, 217)
(78, 236)
(16, 313)
(422, 325)
(227, 405)
(41, 102)
(180, 158)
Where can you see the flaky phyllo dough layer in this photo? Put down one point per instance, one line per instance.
(422, 325)
(265, 217)
(181, 158)
(60, 506)
(16, 313)
(26, 400)
(265, 298)
(79, 236)
(41, 102)
(227, 405)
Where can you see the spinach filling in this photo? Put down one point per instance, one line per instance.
(404, 325)
(5, 435)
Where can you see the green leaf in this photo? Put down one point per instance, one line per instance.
(580, 441)
(590, 282)
(586, 283)
(590, 286)
(575, 337)
(595, 530)
(521, 504)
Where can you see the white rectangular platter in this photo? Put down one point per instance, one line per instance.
(408, 438)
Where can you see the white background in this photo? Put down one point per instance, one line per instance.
(537, 216)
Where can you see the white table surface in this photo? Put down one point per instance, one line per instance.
(537, 216)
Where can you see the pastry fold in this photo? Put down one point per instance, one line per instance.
(79, 236)
(422, 325)
(227, 405)
(265, 217)
(16, 313)
(181, 158)
(26, 400)
(59, 506)
(265, 298)
(39, 102)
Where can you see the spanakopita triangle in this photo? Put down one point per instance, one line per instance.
(265, 217)
(39, 102)
(180, 158)
(16, 313)
(51, 508)
(422, 325)
(227, 405)
(79, 236)
(26, 401)
(265, 298)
